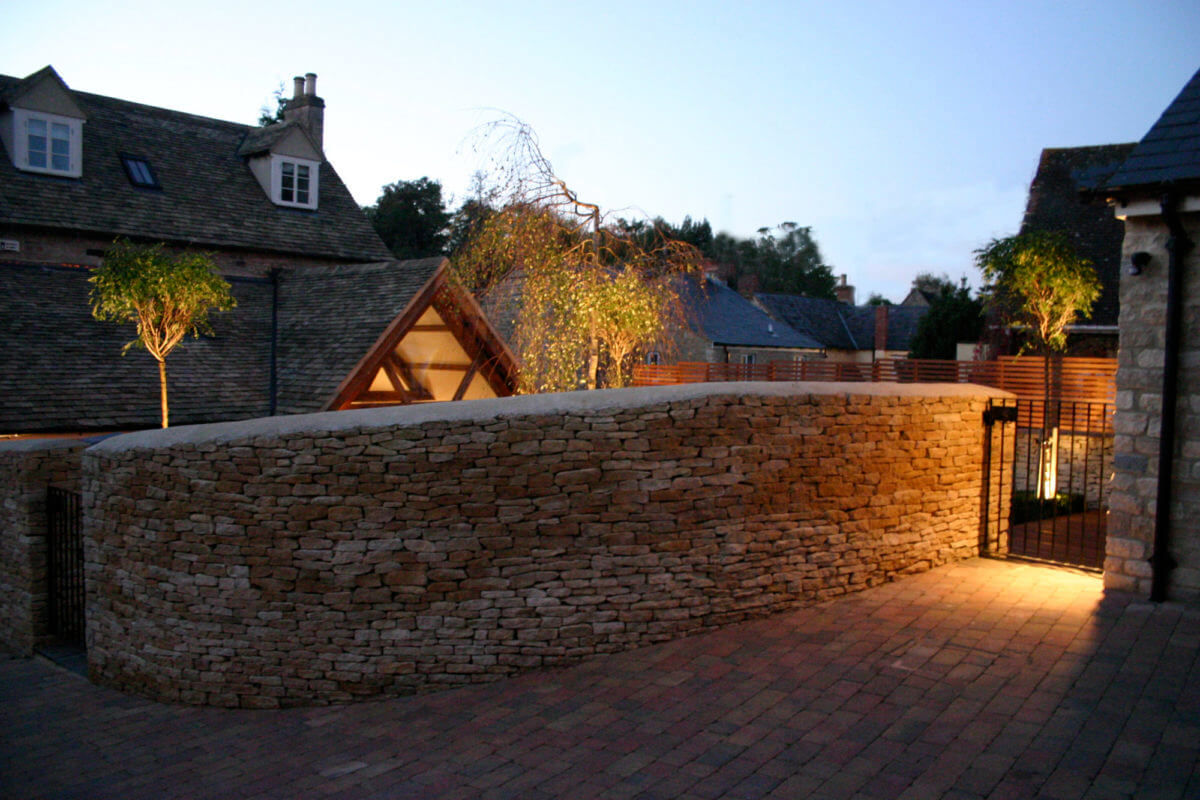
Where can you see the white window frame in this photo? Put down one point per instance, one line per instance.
(21, 119)
(277, 174)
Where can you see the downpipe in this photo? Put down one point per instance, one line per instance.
(1178, 246)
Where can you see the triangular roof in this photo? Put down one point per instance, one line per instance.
(1055, 205)
(841, 326)
(1170, 151)
(13, 94)
(64, 371)
(209, 198)
(724, 317)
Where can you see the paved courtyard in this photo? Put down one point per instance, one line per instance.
(981, 679)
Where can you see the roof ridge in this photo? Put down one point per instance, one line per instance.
(174, 112)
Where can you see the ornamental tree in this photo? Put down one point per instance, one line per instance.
(165, 296)
(1038, 280)
(587, 294)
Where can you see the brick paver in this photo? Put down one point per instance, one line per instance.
(980, 679)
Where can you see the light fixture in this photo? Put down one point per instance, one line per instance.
(1138, 262)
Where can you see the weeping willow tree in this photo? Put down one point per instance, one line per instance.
(587, 297)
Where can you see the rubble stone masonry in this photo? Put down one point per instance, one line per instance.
(322, 558)
(1134, 492)
(27, 467)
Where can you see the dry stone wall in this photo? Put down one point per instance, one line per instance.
(313, 559)
(27, 467)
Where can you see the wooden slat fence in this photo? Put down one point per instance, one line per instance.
(1081, 379)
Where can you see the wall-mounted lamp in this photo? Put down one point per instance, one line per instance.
(1138, 262)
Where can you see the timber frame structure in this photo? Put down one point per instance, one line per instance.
(415, 361)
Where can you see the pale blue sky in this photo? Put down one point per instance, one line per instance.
(904, 133)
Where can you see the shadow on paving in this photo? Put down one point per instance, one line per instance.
(979, 679)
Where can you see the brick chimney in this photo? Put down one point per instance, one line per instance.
(306, 109)
(881, 327)
(843, 291)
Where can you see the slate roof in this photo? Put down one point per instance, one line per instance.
(209, 197)
(1055, 204)
(724, 317)
(329, 317)
(841, 326)
(63, 370)
(1170, 151)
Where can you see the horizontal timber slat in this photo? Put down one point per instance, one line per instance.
(1082, 379)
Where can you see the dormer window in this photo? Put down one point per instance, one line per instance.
(48, 143)
(294, 181)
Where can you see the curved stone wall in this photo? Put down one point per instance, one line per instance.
(322, 558)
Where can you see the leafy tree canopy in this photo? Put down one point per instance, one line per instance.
(1038, 280)
(411, 219)
(167, 297)
(591, 294)
(267, 116)
(954, 316)
(784, 259)
(876, 299)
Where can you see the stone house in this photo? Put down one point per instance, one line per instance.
(725, 328)
(325, 318)
(1154, 505)
(846, 332)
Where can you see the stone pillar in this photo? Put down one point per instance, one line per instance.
(1134, 487)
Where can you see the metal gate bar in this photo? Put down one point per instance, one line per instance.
(1057, 468)
(64, 557)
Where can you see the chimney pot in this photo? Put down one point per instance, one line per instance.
(297, 87)
(307, 110)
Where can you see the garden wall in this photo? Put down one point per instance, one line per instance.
(326, 557)
(27, 467)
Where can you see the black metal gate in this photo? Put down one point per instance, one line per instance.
(1056, 462)
(64, 561)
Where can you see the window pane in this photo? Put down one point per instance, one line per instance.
(37, 127)
(60, 131)
(37, 159)
(287, 183)
(302, 184)
(60, 162)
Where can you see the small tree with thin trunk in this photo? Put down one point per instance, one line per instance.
(166, 297)
(1038, 280)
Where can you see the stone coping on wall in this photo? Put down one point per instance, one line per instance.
(14, 446)
(318, 559)
(525, 405)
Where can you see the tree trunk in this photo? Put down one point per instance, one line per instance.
(162, 382)
(593, 366)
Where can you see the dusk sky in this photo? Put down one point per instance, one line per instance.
(904, 133)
